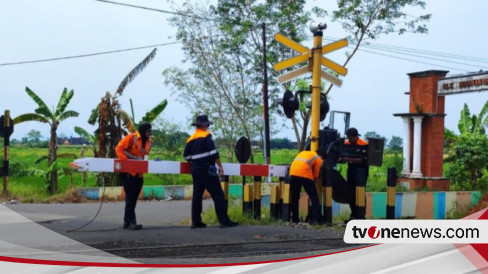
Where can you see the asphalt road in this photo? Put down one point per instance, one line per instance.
(166, 237)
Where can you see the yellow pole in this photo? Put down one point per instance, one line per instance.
(316, 89)
(225, 186)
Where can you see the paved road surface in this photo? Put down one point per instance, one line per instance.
(166, 237)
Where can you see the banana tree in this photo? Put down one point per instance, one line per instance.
(44, 115)
(111, 118)
(46, 175)
(128, 124)
(474, 124)
(90, 138)
(113, 122)
(149, 117)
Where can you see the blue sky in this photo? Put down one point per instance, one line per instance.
(372, 91)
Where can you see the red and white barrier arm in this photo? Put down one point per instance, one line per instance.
(171, 167)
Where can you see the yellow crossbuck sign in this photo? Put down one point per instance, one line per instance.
(306, 54)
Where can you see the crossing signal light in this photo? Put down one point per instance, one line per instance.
(324, 107)
(289, 103)
(243, 150)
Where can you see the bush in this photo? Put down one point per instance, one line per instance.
(468, 160)
(19, 169)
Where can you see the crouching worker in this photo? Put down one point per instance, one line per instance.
(304, 170)
(133, 146)
(200, 151)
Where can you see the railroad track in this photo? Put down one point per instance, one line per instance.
(242, 249)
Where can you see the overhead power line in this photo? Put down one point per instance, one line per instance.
(434, 53)
(420, 51)
(412, 60)
(141, 7)
(86, 55)
(378, 47)
(424, 54)
(158, 10)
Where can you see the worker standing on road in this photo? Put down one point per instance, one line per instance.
(133, 146)
(357, 170)
(304, 170)
(200, 151)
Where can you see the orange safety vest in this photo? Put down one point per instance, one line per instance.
(306, 165)
(130, 147)
(360, 142)
(199, 133)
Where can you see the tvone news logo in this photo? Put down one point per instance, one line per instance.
(372, 232)
(416, 231)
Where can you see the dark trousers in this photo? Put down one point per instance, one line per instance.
(357, 176)
(296, 184)
(132, 188)
(343, 191)
(201, 181)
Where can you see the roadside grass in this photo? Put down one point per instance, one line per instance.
(236, 214)
(24, 186)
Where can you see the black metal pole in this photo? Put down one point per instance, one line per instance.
(327, 190)
(267, 154)
(257, 197)
(391, 193)
(244, 206)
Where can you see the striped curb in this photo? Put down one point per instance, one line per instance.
(420, 205)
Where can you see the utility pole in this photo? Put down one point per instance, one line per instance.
(267, 145)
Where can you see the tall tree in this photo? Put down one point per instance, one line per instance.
(34, 136)
(373, 134)
(44, 115)
(396, 143)
(223, 47)
(170, 138)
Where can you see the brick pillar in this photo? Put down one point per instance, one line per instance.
(425, 102)
(424, 99)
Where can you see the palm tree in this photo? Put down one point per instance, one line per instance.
(44, 115)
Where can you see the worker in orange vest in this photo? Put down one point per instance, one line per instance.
(133, 146)
(304, 170)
